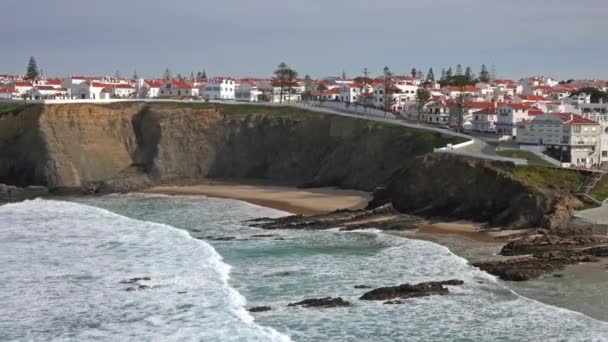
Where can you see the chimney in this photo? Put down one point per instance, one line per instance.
(571, 116)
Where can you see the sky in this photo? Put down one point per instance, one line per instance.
(559, 38)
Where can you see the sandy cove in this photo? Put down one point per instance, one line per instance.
(316, 201)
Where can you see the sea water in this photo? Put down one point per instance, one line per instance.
(63, 263)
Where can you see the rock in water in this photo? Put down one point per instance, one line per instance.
(260, 309)
(404, 291)
(327, 302)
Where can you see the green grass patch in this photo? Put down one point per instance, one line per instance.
(545, 177)
(529, 156)
(600, 192)
(10, 108)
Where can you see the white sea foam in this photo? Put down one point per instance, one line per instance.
(62, 264)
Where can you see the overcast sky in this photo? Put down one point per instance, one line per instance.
(562, 38)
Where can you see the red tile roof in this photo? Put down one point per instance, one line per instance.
(532, 98)
(7, 90)
(181, 85)
(22, 84)
(574, 119)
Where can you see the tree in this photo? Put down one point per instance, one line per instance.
(135, 75)
(422, 98)
(389, 85)
(343, 74)
(459, 70)
(449, 74)
(443, 75)
(484, 74)
(468, 75)
(32, 69)
(167, 74)
(285, 79)
(321, 87)
(414, 72)
(430, 76)
(363, 82)
(192, 75)
(308, 88)
(596, 94)
(204, 74)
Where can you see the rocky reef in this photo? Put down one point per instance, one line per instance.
(536, 255)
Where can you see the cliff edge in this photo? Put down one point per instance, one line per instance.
(130, 146)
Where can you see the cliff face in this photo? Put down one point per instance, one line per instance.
(130, 146)
(444, 185)
(73, 145)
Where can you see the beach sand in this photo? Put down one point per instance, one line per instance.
(316, 201)
(292, 200)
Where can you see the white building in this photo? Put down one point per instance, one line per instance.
(220, 89)
(177, 88)
(22, 87)
(148, 89)
(569, 138)
(485, 120)
(122, 90)
(247, 92)
(48, 92)
(7, 93)
(509, 115)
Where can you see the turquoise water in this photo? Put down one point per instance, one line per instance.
(225, 276)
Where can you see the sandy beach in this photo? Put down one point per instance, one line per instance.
(316, 201)
(292, 200)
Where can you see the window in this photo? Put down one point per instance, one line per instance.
(576, 128)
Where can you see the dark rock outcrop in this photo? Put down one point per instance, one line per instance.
(10, 193)
(383, 218)
(545, 243)
(405, 291)
(327, 302)
(531, 267)
(259, 309)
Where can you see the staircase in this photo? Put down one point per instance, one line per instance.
(591, 182)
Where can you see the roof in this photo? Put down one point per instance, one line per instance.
(54, 81)
(7, 90)
(181, 85)
(123, 86)
(153, 83)
(46, 88)
(522, 106)
(465, 89)
(22, 84)
(487, 111)
(574, 119)
(532, 97)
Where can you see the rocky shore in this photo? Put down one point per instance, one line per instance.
(10, 193)
(525, 255)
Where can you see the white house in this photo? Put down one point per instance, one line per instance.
(485, 120)
(48, 92)
(509, 115)
(148, 89)
(349, 92)
(221, 88)
(176, 88)
(8, 93)
(247, 92)
(22, 87)
(121, 90)
(570, 138)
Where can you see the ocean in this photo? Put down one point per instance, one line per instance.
(66, 266)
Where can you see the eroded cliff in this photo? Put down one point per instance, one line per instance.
(130, 146)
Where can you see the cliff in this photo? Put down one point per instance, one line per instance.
(123, 147)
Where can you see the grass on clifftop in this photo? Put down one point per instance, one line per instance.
(600, 192)
(241, 109)
(546, 177)
(529, 156)
(12, 108)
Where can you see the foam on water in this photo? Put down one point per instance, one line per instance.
(62, 264)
